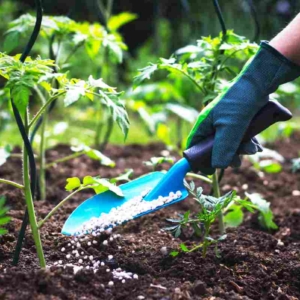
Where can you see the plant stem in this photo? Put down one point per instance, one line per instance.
(43, 109)
(110, 125)
(17, 185)
(42, 158)
(42, 222)
(217, 194)
(30, 205)
(74, 49)
(66, 158)
(203, 178)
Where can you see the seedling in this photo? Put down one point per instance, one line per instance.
(269, 161)
(197, 75)
(34, 75)
(210, 209)
(65, 36)
(265, 217)
(4, 219)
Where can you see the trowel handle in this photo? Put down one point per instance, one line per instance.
(199, 155)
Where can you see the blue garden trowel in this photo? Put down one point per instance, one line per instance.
(196, 158)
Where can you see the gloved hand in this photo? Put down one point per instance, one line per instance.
(229, 115)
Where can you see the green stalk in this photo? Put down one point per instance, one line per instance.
(66, 158)
(217, 194)
(42, 157)
(30, 205)
(205, 241)
(43, 109)
(203, 178)
(12, 183)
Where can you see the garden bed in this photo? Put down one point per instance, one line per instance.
(253, 264)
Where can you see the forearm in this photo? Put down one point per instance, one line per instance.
(287, 42)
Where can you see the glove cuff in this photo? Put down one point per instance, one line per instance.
(276, 53)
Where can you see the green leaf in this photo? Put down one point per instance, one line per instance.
(270, 166)
(117, 110)
(263, 206)
(184, 248)
(234, 217)
(72, 184)
(100, 185)
(174, 253)
(74, 92)
(97, 155)
(177, 232)
(117, 21)
(144, 74)
(11, 41)
(4, 220)
(20, 95)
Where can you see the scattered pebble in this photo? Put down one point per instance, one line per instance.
(164, 250)
(105, 242)
(111, 283)
(245, 186)
(110, 257)
(125, 212)
(63, 249)
(296, 193)
(135, 276)
(140, 297)
(280, 243)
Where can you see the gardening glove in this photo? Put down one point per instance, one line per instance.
(229, 115)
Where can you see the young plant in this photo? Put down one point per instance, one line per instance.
(265, 216)
(4, 219)
(65, 38)
(198, 74)
(22, 79)
(210, 209)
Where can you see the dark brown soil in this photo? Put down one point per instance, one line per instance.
(252, 265)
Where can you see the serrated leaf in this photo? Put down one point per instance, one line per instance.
(20, 95)
(72, 184)
(144, 74)
(177, 232)
(117, 110)
(74, 92)
(99, 83)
